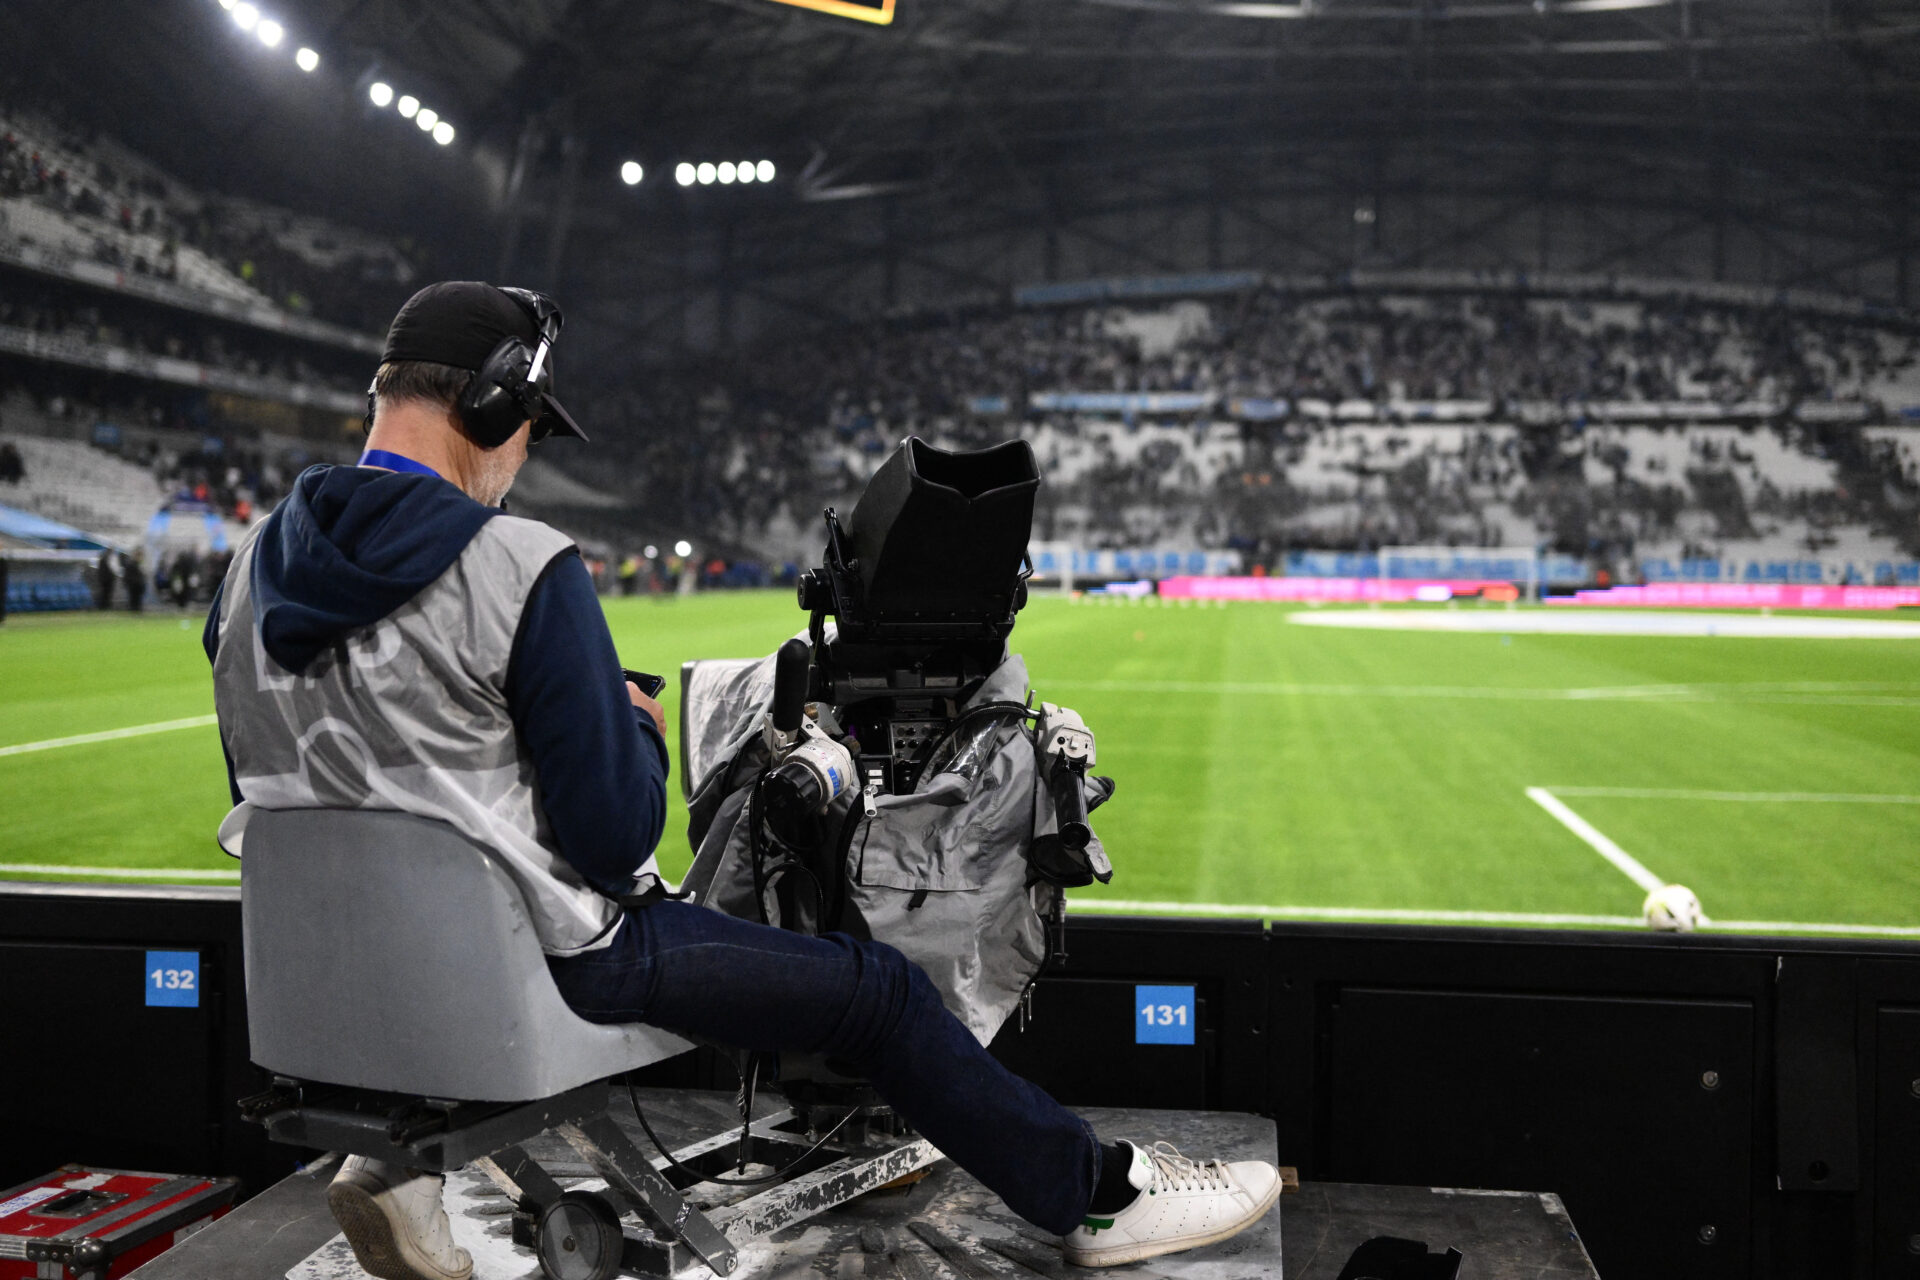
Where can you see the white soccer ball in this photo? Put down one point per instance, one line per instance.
(1673, 908)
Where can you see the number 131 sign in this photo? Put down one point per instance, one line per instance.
(1163, 1015)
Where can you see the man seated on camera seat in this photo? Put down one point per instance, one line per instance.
(391, 638)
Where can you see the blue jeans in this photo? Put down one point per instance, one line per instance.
(694, 970)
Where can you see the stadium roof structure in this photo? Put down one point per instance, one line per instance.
(969, 145)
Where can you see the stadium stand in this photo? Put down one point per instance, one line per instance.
(1650, 428)
(81, 486)
(87, 197)
(1632, 423)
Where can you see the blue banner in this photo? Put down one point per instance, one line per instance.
(1123, 401)
(1049, 562)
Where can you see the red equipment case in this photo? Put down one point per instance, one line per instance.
(79, 1223)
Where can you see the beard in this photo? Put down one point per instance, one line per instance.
(497, 469)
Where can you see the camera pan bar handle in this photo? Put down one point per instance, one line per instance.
(790, 666)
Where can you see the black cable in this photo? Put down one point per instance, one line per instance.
(634, 1097)
(924, 758)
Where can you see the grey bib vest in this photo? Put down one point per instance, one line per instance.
(410, 714)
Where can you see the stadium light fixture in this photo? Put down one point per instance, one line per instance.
(651, 551)
(764, 171)
(683, 548)
(631, 173)
(706, 173)
(381, 93)
(228, 5)
(246, 16)
(878, 12)
(270, 33)
(443, 133)
(306, 59)
(726, 173)
(409, 106)
(683, 174)
(745, 171)
(426, 119)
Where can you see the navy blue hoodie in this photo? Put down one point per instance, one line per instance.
(351, 544)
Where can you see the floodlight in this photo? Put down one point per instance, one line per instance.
(705, 173)
(631, 173)
(409, 105)
(443, 133)
(683, 548)
(227, 5)
(683, 174)
(427, 118)
(380, 92)
(306, 59)
(726, 172)
(270, 33)
(651, 551)
(764, 170)
(245, 16)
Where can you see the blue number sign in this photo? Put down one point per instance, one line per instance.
(1163, 1015)
(173, 979)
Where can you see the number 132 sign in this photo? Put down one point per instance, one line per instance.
(1163, 1015)
(173, 979)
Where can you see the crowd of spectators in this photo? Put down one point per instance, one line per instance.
(50, 308)
(283, 257)
(193, 455)
(772, 439)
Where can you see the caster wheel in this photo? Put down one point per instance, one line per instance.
(578, 1238)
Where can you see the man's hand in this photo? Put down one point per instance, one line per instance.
(649, 706)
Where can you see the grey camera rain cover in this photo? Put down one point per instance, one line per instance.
(941, 874)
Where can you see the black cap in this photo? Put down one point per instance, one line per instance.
(459, 323)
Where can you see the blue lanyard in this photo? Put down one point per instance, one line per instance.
(396, 462)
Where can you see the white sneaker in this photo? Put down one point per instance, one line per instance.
(395, 1221)
(1182, 1204)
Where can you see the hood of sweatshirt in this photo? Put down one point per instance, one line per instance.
(348, 547)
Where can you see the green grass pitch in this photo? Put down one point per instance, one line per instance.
(1264, 768)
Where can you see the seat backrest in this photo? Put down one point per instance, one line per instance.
(386, 951)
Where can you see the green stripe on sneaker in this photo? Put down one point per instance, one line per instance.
(1096, 1224)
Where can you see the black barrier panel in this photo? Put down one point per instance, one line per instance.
(1088, 1042)
(1404, 1053)
(127, 1033)
(145, 1067)
(1562, 1094)
(1081, 1043)
(1896, 1210)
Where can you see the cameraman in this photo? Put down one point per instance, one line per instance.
(390, 638)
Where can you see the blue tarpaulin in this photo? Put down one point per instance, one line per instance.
(29, 527)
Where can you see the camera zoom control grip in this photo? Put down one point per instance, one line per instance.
(790, 685)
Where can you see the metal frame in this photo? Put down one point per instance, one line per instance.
(442, 1135)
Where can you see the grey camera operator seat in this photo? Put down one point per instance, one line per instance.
(389, 952)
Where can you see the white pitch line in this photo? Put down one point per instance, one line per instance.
(1750, 797)
(117, 873)
(1606, 848)
(1780, 926)
(1410, 914)
(1641, 695)
(110, 735)
(1414, 915)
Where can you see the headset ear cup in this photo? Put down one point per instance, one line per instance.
(490, 409)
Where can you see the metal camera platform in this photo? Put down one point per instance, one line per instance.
(944, 1226)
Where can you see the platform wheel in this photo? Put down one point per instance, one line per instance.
(578, 1238)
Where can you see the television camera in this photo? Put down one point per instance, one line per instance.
(922, 586)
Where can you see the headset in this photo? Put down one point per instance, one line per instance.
(511, 383)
